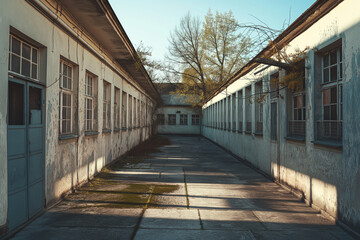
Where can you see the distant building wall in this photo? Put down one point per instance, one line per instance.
(190, 127)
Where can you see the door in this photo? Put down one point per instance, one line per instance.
(25, 147)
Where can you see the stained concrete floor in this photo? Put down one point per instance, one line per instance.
(188, 189)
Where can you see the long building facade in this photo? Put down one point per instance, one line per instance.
(73, 97)
(309, 139)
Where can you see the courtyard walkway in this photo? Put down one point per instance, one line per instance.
(188, 188)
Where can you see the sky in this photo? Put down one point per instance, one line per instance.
(152, 21)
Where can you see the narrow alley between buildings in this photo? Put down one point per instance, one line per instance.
(182, 188)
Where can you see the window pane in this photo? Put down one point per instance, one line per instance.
(34, 71)
(327, 113)
(326, 60)
(326, 75)
(16, 104)
(334, 112)
(15, 63)
(333, 73)
(326, 97)
(25, 67)
(34, 55)
(15, 46)
(26, 49)
(333, 57)
(333, 95)
(35, 114)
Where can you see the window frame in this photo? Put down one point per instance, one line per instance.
(69, 92)
(22, 58)
(172, 119)
(183, 119)
(106, 105)
(195, 119)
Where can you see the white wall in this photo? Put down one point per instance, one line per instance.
(327, 176)
(177, 129)
(67, 162)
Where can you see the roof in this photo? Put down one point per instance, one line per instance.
(98, 20)
(300, 25)
(169, 99)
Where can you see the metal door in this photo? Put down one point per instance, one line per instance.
(25, 149)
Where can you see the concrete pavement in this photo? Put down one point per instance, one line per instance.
(187, 189)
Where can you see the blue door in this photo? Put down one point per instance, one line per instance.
(25, 151)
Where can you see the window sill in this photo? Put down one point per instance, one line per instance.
(328, 143)
(106, 131)
(91, 133)
(295, 138)
(258, 134)
(248, 132)
(233, 130)
(240, 132)
(68, 137)
(117, 129)
(124, 129)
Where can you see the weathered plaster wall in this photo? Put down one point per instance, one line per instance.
(67, 162)
(177, 129)
(328, 177)
(4, 53)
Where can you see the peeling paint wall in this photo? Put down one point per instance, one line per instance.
(328, 177)
(4, 53)
(69, 162)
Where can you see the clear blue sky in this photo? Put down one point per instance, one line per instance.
(151, 21)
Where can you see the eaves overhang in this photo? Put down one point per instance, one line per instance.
(97, 19)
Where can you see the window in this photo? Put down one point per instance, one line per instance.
(135, 113)
(195, 119)
(330, 126)
(233, 107)
(273, 126)
(172, 119)
(23, 58)
(130, 112)
(298, 115)
(117, 108)
(66, 98)
(161, 119)
(139, 113)
(106, 105)
(228, 109)
(248, 109)
(259, 107)
(183, 119)
(240, 110)
(124, 110)
(90, 102)
(143, 114)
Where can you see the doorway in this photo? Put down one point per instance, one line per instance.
(25, 151)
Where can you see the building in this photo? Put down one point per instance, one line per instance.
(72, 99)
(175, 115)
(307, 140)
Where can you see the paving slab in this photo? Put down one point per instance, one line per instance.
(176, 234)
(186, 189)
